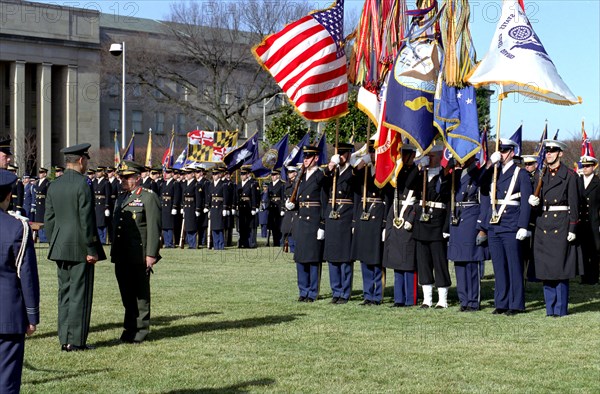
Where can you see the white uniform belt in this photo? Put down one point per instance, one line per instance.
(554, 208)
(431, 204)
(466, 204)
(509, 202)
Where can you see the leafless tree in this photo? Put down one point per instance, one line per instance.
(202, 63)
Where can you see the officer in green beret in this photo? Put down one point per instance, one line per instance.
(135, 249)
(70, 224)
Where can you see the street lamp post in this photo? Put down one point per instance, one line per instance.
(265, 102)
(119, 50)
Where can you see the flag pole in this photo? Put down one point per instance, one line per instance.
(334, 214)
(365, 215)
(129, 144)
(495, 218)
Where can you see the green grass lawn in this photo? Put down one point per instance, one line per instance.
(229, 322)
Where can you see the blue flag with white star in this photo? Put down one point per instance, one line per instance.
(245, 154)
(456, 119)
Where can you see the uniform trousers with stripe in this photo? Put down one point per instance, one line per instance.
(12, 351)
(405, 287)
(75, 292)
(308, 279)
(372, 276)
(340, 279)
(505, 250)
(467, 283)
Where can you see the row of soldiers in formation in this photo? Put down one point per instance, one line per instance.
(439, 214)
(433, 215)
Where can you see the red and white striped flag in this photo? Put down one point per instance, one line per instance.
(308, 61)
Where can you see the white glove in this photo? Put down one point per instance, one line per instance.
(107, 212)
(335, 159)
(253, 212)
(424, 162)
(205, 210)
(529, 234)
(366, 158)
(521, 234)
(407, 226)
(446, 235)
(495, 157)
(181, 211)
(233, 212)
(571, 237)
(32, 210)
(383, 236)
(411, 200)
(282, 213)
(533, 201)
(290, 205)
(173, 211)
(320, 234)
(197, 214)
(225, 212)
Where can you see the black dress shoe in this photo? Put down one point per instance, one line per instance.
(375, 303)
(342, 301)
(301, 299)
(498, 311)
(397, 305)
(309, 299)
(425, 306)
(472, 309)
(463, 308)
(365, 303)
(512, 312)
(334, 300)
(75, 348)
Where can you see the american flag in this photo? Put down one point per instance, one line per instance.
(308, 61)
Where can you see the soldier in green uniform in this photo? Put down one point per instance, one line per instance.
(71, 228)
(135, 249)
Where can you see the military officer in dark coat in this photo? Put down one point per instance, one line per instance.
(309, 226)
(41, 188)
(5, 153)
(220, 208)
(19, 289)
(28, 198)
(74, 246)
(287, 224)
(191, 208)
(135, 250)
(276, 192)
(232, 192)
(530, 164)
(399, 251)
(148, 182)
(202, 184)
(555, 252)
(368, 226)
(170, 195)
(115, 187)
(507, 227)
(339, 214)
(431, 228)
(588, 231)
(18, 193)
(463, 248)
(248, 201)
(102, 204)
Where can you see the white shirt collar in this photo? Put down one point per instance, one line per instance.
(587, 180)
(507, 166)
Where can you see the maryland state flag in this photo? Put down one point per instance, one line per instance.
(210, 146)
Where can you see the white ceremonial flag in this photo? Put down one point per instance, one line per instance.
(519, 63)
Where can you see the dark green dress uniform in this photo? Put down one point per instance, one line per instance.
(71, 229)
(137, 228)
(275, 208)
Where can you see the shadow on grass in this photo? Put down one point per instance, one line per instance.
(190, 329)
(240, 388)
(156, 321)
(59, 374)
(170, 331)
